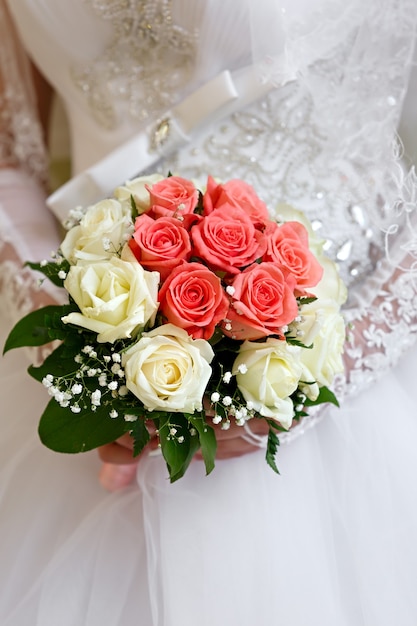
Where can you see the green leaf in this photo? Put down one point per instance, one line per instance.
(306, 300)
(133, 208)
(33, 329)
(193, 447)
(62, 430)
(296, 342)
(51, 270)
(325, 395)
(271, 450)
(140, 435)
(174, 453)
(59, 363)
(208, 441)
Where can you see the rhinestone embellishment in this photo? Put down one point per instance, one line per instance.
(160, 134)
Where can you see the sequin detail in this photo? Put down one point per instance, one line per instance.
(126, 78)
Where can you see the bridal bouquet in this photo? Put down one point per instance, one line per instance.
(186, 309)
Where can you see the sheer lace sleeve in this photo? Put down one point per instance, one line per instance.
(27, 230)
(383, 322)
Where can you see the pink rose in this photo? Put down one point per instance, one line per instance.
(235, 193)
(172, 197)
(160, 245)
(263, 301)
(227, 240)
(287, 245)
(192, 298)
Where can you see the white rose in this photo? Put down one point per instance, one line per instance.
(331, 286)
(273, 373)
(137, 189)
(168, 370)
(103, 229)
(325, 329)
(116, 298)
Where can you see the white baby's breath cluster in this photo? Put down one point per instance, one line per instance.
(76, 392)
(230, 406)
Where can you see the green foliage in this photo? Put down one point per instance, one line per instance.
(325, 395)
(62, 430)
(51, 270)
(208, 441)
(177, 453)
(302, 300)
(134, 208)
(140, 435)
(38, 327)
(272, 449)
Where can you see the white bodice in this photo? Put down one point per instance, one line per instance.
(291, 147)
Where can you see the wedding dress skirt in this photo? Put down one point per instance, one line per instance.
(332, 540)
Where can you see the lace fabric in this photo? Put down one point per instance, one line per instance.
(21, 143)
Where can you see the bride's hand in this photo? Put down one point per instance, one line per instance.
(235, 441)
(119, 464)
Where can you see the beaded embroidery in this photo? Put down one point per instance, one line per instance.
(128, 71)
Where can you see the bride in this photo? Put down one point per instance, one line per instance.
(301, 99)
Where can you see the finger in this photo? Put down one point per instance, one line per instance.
(116, 453)
(114, 477)
(231, 448)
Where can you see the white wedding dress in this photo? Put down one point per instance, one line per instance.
(332, 541)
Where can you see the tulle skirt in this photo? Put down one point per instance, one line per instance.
(331, 541)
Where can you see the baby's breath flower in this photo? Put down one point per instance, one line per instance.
(113, 385)
(102, 379)
(131, 418)
(75, 408)
(123, 390)
(116, 357)
(172, 431)
(76, 389)
(226, 425)
(59, 397)
(216, 419)
(230, 290)
(227, 401)
(242, 368)
(215, 396)
(227, 376)
(106, 244)
(62, 275)
(113, 413)
(180, 439)
(96, 397)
